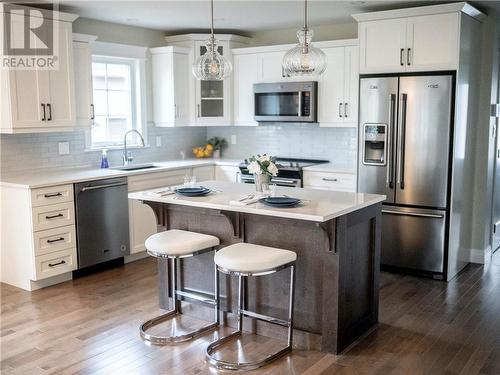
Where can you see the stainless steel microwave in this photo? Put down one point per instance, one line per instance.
(286, 101)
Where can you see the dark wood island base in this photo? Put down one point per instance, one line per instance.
(337, 280)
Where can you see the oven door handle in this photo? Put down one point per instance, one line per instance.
(300, 104)
(283, 181)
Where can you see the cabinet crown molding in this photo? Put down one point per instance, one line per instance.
(85, 38)
(169, 49)
(202, 37)
(48, 14)
(463, 7)
(286, 47)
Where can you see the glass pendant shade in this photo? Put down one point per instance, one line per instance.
(212, 66)
(304, 59)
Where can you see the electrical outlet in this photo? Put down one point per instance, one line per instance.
(63, 148)
(158, 141)
(233, 139)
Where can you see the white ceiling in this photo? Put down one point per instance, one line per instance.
(244, 16)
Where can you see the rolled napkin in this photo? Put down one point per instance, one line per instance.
(244, 202)
(163, 192)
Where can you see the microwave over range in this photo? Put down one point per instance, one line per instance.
(286, 101)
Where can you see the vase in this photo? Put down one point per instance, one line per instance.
(216, 154)
(262, 182)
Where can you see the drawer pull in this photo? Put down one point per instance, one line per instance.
(327, 179)
(56, 240)
(57, 264)
(54, 216)
(52, 195)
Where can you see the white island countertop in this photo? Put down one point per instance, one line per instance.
(317, 205)
(58, 176)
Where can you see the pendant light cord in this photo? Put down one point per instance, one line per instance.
(212, 17)
(305, 14)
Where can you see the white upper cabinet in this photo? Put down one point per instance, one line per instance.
(170, 67)
(40, 99)
(82, 62)
(382, 46)
(432, 42)
(337, 86)
(246, 73)
(413, 39)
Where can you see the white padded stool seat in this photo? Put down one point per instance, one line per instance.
(247, 257)
(177, 242)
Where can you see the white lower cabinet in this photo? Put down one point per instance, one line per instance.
(38, 235)
(330, 181)
(227, 173)
(142, 220)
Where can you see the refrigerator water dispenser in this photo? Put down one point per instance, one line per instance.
(375, 144)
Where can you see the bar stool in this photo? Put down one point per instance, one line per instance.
(245, 260)
(176, 244)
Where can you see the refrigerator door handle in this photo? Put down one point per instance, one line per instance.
(401, 180)
(390, 130)
(433, 216)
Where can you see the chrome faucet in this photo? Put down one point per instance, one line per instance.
(126, 157)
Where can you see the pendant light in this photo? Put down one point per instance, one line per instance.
(212, 66)
(304, 58)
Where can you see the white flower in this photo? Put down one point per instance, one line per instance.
(272, 168)
(264, 158)
(254, 168)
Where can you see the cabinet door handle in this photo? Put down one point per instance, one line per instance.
(329, 179)
(198, 106)
(340, 109)
(49, 107)
(54, 216)
(345, 110)
(401, 57)
(408, 54)
(52, 195)
(44, 116)
(92, 113)
(57, 264)
(56, 240)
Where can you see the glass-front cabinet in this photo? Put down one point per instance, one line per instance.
(212, 97)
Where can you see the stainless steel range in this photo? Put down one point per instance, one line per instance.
(289, 171)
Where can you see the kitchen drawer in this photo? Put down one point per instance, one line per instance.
(51, 195)
(156, 180)
(205, 173)
(55, 263)
(330, 181)
(51, 240)
(53, 216)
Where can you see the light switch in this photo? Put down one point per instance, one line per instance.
(233, 139)
(158, 141)
(63, 148)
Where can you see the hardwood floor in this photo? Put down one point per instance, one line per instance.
(90, 326)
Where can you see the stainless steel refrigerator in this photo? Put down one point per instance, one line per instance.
(405, 138)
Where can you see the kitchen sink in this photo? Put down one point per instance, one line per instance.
(135, 167)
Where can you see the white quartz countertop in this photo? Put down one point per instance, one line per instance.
(317, 205)
(329, 168)
(49, 177)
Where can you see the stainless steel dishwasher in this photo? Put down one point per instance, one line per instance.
(101, 221)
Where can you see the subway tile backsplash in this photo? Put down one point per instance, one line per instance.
(22, 152)
(338, 145)
(34, 151)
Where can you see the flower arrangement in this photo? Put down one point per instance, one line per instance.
(262, 164)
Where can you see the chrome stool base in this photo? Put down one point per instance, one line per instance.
(162, 340)
(246, 366)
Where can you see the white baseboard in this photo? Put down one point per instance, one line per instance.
(480, 256)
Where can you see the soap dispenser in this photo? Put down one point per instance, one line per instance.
(104, 159)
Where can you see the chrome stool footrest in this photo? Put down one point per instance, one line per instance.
(159, 340)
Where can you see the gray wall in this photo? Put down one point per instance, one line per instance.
(485, 148)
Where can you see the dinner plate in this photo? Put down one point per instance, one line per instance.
(193, 191)
(280, 203)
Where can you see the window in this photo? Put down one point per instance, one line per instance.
(115, 101)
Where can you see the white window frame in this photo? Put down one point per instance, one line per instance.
(136, 57)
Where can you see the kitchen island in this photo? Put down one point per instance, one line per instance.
(336, 236)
